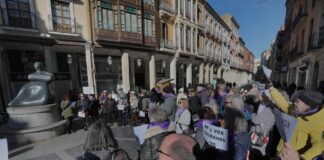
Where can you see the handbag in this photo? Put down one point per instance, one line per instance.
(258, 137)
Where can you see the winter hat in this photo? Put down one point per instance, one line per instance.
(168, 89)
(311, 98)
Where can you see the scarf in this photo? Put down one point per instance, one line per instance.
(164, 125)
(169, 95)
(307, 113)
(180, 111)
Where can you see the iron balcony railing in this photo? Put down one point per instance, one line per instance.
(316, 40)
(299, 16)
(17, 18)
(64, 25)
(200, 51)
(166, 7)
(166, 44)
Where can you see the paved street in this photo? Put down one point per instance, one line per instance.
(69, 147)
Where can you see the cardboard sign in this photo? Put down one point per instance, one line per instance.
(267, 71)
(88, 90)
(216, 136)
(139, 133)
(4, 149)
(286, 124)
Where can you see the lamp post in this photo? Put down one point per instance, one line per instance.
(139, 63)
(109, 60)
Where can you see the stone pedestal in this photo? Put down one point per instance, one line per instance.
(32, 123)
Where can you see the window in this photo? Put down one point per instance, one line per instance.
(106, 16)
(149, 27)
(61, 16)
(131, 23)
(313, 3)
(19, 13)
(149, 2)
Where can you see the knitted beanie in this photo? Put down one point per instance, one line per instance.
(311, 98)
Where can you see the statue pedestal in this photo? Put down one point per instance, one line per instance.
(32, 123)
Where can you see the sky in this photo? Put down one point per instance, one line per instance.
(259, 20)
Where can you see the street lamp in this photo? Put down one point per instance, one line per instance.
(139, 62)
(181, 66)
(109, 60)
(163, 64)
(69, 59)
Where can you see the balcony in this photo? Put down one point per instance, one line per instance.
(201, 51)
(201, 23)
(17, 18)
(64, 25)
(166, 44)
(166, 9)
(295, 53)
(316, 41)
(300, 16)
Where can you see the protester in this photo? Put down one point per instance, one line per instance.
(93, 109)
(169, 105)
(309, 112)
(158, 128)
(83, 110)
(67, 112)
(108, 108)
(179, 147)
(143, 106)
(181, 94)
(220, 97)
(100, 144)
(206, 115)
(194, 102)
(183, 117)
(154, 97)
(239, 139)
(263, 121)
(133, 100)
(122, 107)
(202, 92)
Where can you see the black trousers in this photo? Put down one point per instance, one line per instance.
(69, 124)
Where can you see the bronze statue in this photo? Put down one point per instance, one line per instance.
(36, 92)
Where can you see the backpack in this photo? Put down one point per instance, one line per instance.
(118, 154)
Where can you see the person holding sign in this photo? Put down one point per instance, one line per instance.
(308, 109)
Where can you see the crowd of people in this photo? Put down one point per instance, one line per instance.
(175, 121)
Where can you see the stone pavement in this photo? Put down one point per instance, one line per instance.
(69, 147)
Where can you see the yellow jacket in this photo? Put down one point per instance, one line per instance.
(308, 137)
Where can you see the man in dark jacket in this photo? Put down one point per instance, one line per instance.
(83, 110)
(194, 101)
(108, 108)
(93, 108)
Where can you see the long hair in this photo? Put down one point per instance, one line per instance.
(100, 137)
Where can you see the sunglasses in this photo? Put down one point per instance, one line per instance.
(161, 152)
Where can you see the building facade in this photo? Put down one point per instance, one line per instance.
(110, 44)
(302, 44)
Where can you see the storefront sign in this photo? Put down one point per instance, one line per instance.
(88, 90)
(62, 76)
(19, 76)
(216, 136)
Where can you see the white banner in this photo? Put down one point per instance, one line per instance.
(3, 149)
(216, 136)
(286, 124)
(88, 90)
(267, 71)
(139, 133)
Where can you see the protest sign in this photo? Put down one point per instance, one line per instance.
(216, 136)
(267, 71)
(139, 133)
(88, 90)
(3, 149)
(286, 124)
(261, 87)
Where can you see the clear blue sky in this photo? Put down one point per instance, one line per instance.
(260, 20)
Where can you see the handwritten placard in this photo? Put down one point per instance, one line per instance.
(216, 136)
(286, 124)
(88, 90)
(3, 149)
